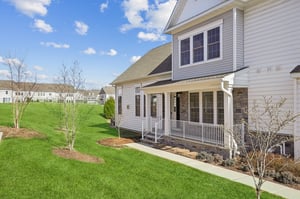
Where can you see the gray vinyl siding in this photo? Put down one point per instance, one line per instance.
(214, 67)
(240, 39)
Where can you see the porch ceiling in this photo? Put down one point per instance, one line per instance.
(184, 85)
(200, 83)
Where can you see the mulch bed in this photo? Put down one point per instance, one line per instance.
(9, 132)
(75, 155)
(115, 142)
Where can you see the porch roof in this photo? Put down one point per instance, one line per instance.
(196, 83)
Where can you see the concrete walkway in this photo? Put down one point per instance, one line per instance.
(270, 187)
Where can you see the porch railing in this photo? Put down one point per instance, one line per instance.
(156, 128)
(201, 132)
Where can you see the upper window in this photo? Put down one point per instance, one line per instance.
(201, 45)
(185, 51)
(213, 43)
(198, 48)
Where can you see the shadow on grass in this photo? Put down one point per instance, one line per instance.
(105, 128)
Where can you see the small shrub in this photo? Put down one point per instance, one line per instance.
(285, 177)
(228, 163)
(206, 157)
(218, 159)
(109, 108)
(270, 173)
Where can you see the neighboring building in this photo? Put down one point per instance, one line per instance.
(39, 92)
(225, 55)
(106, 93)
(5, 91)
(90, 96)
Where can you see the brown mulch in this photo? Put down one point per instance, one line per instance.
(75, 155)
(9, 132)
(115, 142)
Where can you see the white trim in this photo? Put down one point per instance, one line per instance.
(201, 29)
(234, 45)
(204, 30)
(215, 107)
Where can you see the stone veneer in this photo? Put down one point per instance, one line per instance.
(195, 146)
(240, 105)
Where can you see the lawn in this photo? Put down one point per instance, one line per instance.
(28, 169)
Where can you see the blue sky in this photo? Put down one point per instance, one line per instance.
(104, 36)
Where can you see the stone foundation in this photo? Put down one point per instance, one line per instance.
(195, 146)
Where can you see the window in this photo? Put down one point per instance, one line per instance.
(137, 105)
(144, 105)
(213, 43)
(119, 105)
(153, 106)
(6, 92)
(198, 48)
(220, 107)
(208, 107)
(194, 107)
(201, 45)
(137, 102)
(185, 51)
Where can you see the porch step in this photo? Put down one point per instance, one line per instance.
(150, 139)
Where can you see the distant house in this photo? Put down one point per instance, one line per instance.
(106, 93)
(90, 96)
(224, 55)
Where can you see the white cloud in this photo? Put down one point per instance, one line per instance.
(4, 73)
(28, 73)
(42, 26)
(111, 52)
(13, 62)
(89, 51)
(42, 76)
(134, 59)
(151, 36)
(1, 60)
(55, 45)
(81, 27)
(38, 68)
(150, 17)
(31, 7)
(103, 6)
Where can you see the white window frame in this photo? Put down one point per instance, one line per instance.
(204, 30)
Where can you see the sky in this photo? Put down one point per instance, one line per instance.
(104, 36)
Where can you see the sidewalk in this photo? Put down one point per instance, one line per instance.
(270, 187)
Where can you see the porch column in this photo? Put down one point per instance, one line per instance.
(228, 117)
(167, 113)
(148, 112)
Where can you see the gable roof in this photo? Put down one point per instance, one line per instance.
(108, 90)
(146, 65)
(186, 14)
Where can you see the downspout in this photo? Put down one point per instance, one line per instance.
(232, 145)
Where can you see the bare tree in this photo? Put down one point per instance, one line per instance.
(264, 135)
(118, 125)
(71, 82)
(22, 89)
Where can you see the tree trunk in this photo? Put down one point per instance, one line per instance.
(258, 192)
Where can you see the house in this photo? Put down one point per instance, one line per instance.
(224, 55)
(105, 93)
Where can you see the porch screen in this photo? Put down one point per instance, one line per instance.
(220, 107)
(208, 107)
(153, 106)
(194, 107)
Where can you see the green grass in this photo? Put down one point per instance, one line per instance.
(28, 169)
